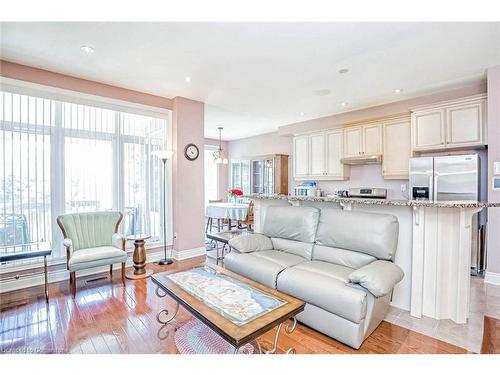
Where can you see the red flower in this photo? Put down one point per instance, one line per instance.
(237, 192)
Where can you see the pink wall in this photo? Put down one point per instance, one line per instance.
(493, 265)
(187, 176)
(223, 169)
(62, 81)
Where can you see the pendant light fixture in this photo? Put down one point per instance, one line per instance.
(220, 155)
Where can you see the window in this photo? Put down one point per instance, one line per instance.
(211, 175)
(60, 157)
(240, 175)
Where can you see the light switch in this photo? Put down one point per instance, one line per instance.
(496, 167)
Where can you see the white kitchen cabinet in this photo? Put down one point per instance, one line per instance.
(334, 153)
(428, 130)
(448, 125)
(464, 125)
(317, 156)
(353, 143)
(301, 156)
(364, 140)
(397, 148)
(317, 162)
(372, 139)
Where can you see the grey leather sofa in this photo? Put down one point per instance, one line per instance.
(338, 262)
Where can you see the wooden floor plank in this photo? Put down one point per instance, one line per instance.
(107, 317)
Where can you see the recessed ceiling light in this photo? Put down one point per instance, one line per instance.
(87, 49)
(323, 92)
(397, 91)
(302, 113)
(344, 104)
(343, 71)
(188, 79)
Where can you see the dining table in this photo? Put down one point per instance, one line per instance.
(227, 210)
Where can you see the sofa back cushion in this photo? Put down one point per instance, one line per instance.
(90, 229)
(291, 223)
(292, 229)
(363, 232)
(299, 248)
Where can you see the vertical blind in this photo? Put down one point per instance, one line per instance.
(60, 157)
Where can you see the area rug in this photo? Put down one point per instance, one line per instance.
(194, 337)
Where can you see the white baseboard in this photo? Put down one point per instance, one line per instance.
(190, 253)
(61, 275)
(492, 278)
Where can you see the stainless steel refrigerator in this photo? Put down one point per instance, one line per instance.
(451, 178)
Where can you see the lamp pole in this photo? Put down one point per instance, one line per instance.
(165, 261)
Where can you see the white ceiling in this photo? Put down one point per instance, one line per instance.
(255, 77)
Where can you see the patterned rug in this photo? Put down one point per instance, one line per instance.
(194, 337)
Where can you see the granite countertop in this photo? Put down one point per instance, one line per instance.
(380, 202)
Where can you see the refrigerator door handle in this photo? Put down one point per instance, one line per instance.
(435, 187)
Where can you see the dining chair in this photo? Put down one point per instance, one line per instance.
(249, 220)
(91, 240)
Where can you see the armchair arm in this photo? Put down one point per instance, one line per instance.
(250, 243)
(379, 277)
(118, 240)
(68, 244)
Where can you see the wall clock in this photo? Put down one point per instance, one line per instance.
(191, 152)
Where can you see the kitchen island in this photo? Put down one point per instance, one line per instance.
(434, 248)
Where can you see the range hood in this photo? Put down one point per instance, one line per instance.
(359, 160)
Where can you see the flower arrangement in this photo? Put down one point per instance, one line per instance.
(233, 193)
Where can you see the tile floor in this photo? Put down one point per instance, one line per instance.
(484, 300)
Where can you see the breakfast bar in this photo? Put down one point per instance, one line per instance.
(434, 248)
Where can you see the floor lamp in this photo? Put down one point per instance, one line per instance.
(164, 155)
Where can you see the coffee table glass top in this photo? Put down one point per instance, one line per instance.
(238, 302)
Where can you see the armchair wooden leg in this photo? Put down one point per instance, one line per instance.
(123, 273)
(111, 271)
(72, 277)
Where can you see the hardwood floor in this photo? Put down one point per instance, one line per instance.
(108, 317)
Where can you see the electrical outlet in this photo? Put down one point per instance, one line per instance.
(175, 236)
(403, 188)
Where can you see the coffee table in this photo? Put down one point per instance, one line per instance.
(238, 309)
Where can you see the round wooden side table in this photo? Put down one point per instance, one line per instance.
(139, 258)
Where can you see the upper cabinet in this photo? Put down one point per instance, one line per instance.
(364, 140)
(301, 156)
(453, 124)
(317, 156)
(397, 148)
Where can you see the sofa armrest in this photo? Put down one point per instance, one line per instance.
(379, 277)
(118, 241)
(250, 243)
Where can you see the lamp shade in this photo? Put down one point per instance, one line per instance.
(163, 154)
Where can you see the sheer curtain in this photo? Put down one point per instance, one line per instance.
(61, 157)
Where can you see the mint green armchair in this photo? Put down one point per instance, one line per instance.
(91, 240)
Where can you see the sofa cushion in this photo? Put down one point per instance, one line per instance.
(251, 242)
(293, 223)
(324, 285)
(365, 232)
(262, 266)
(95, 256)
(299, 248)
(348, 258)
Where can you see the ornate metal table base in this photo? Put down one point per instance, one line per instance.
(164, 319)
(289, 328)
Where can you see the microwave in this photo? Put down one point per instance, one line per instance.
(305, 191)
